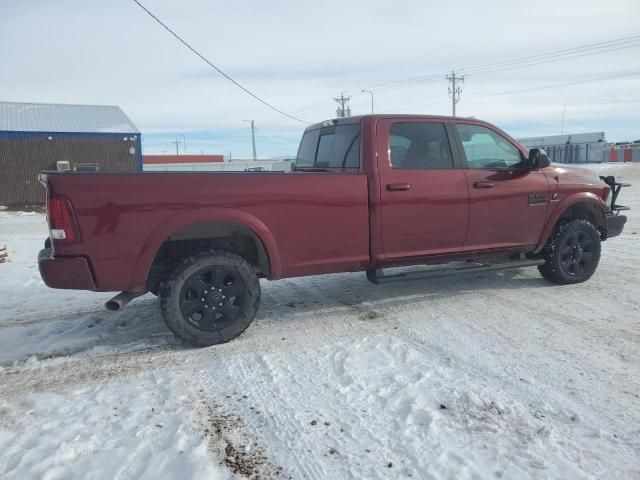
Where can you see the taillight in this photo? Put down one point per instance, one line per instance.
(62, 224)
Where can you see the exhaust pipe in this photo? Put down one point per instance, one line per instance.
(119, 301)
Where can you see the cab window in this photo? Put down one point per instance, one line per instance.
(485, 148)
(307, 150)
(419, 145)
(334, 147)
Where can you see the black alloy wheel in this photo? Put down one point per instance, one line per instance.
(572, 253)
(210, 297)
(577, 253)
(213, 298)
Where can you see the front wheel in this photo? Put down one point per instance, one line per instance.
(210, 298)
(572, 253)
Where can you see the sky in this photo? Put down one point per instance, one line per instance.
(299, 55)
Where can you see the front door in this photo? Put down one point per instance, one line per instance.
(424, 194)
(508, 202)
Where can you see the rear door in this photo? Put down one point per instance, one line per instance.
(508, 202)
(424, 193)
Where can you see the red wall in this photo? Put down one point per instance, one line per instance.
(162, 159)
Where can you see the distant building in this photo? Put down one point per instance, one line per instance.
(584, 148)
(36, 137)
(575, 148)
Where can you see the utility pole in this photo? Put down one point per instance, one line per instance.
(454, 91)
(564, 109)
(177, 142)
(370, 93)
(344, 110)
(184, 144)
(253, 138)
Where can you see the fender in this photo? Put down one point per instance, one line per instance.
(560, 208)
(208, 214)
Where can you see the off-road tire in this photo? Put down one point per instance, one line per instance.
(572, 252)
(177, 295)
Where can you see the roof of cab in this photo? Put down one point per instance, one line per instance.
(360, 118)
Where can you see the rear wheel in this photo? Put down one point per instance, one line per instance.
(572, 253)
(210, 298)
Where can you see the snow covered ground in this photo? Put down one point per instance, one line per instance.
(496, 375)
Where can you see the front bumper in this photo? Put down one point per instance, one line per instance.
(615, 224)
(71, 273)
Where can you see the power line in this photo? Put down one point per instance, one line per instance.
(591, 46)
(308, 108)
(244, 89)
(437, 77)
(575, 52)
(512, 92)
(434, 78)
(547, 60)
(532, 60)
(578, 82)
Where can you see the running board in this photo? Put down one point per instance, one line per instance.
(377, 276)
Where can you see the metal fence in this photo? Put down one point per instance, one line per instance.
(24, 155)
(577, 152)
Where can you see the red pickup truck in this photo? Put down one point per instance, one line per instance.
(366, 193)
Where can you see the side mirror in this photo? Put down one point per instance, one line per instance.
(538, 158)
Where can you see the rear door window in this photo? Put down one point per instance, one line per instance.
(419, 145)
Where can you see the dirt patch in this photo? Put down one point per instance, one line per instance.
(238, 450)
(371, 315)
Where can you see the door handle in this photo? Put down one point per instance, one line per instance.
(483, 185)
(396, 187)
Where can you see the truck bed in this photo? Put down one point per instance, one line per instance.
(308, 223)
